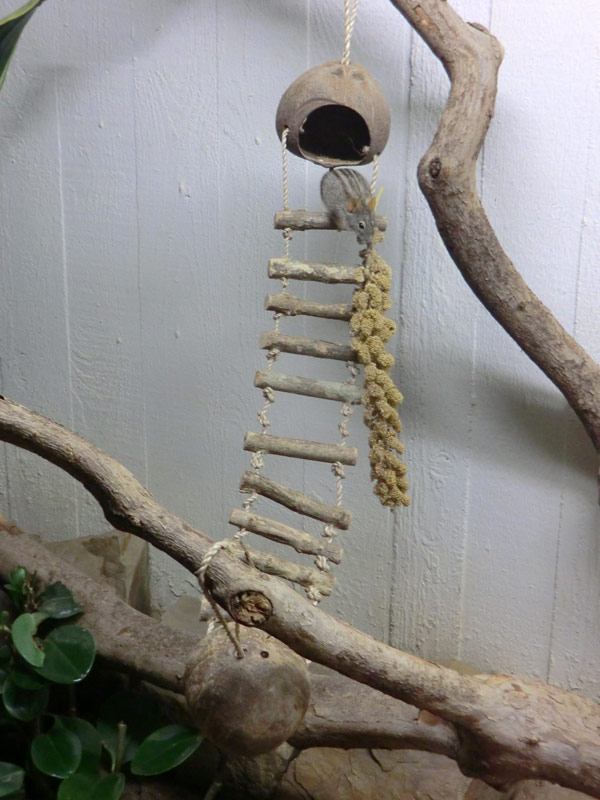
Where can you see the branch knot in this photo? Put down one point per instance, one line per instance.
(435, 167)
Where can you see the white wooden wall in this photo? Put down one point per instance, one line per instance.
(140, 172)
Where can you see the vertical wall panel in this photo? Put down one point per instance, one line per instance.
(95, 104)
(534, 197)
(574, 648)
(439, 318)
(34, 336)
(184, 364)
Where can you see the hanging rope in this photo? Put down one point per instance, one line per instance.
(329, 530)
(375, 174)
(201, 575)
(287, 232)
(349, 20)
(257, 461)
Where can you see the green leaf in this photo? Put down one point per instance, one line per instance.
(139, 712)
(26, 679)
(58, 603)
(83, 786)
(69, 654)
(91, 744)
(11, 778)
(56, 753)
(23, 704)
(23, 630)
(165, 749)
(17, 576)
(6, 654)
(17, 597)
(11, 28)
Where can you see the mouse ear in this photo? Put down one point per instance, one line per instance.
(351, 205)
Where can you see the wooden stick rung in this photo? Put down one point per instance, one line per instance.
(291, 306)
(300, 448)
(296, 501)
(301, 220)
(301, 541)
(271, 565)
(322, 273)
(309, 387)
(303, 346)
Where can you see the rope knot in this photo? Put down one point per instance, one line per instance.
(322, 564)
(338, 470)
(329, 531)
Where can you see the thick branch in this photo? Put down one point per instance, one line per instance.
(342, 713)
(447, 176)
(509, 729)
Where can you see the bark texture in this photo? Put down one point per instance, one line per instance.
(447, 176)
(508, 729)
(341, 713)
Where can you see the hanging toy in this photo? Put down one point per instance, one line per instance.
(336, 116)
(372, 329)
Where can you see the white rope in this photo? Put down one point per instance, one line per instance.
(329, 530)
(287, 232)
(349, 20)
(375, 174)
(201, 574)
(257, 460)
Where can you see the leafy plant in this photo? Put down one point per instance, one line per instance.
(39, 652)
(11, 28)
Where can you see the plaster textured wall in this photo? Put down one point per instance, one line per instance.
(140, 173)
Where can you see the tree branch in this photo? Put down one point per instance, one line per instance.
(509, 729)
(342, 713)
(125, 637)
(447, 176)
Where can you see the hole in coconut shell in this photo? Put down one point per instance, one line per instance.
(334, 132)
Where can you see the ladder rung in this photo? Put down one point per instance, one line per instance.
(296, 501)
(301, 220)
(303, 346)
(290, 305)
(301, 541)
(297, 573)
(300, 448)
(323, 273)
(310, 387)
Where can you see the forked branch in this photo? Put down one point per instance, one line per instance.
(447, 176)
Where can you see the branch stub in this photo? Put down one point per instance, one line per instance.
(250, 608)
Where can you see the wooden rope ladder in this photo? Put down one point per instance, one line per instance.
(317, 582)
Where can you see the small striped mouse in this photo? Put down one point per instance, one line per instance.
(347, 196)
